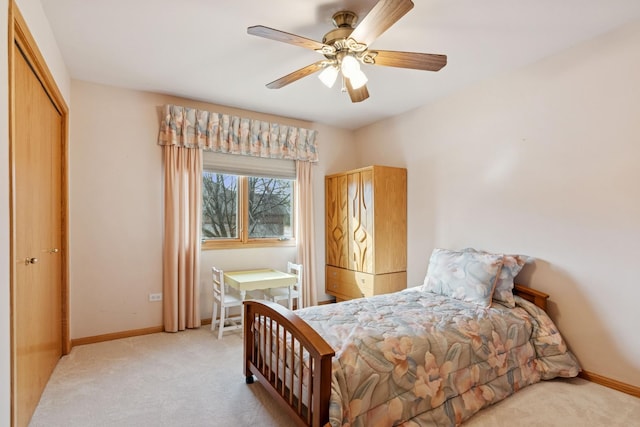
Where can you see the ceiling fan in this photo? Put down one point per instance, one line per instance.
(347, 46)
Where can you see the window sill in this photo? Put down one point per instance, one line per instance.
(213, 245)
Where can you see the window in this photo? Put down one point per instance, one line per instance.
(242, 209)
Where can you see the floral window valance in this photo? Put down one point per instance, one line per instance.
(193, 128)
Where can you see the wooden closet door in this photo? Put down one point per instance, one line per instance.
(37, 292)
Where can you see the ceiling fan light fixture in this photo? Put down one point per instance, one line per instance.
(328, 76)
(349, 66)
(358, 79)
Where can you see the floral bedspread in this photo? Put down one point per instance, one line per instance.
(413, 358)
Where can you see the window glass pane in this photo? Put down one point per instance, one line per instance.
(270, 208)
(219, 206)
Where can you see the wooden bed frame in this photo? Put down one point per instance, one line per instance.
(303, 395)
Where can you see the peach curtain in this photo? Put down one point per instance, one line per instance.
(305, 236)
(181, 252)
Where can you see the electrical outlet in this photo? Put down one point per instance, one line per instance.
(155, 297)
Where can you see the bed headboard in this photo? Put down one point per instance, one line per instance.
(536, 297)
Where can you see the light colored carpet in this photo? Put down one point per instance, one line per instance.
(193, 379)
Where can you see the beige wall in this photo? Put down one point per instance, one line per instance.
(542, 162)
(116, 208)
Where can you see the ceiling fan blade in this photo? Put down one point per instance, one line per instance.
(281, 36)
(383, 15)
(417, 61)
(296, 75)
(356, 95)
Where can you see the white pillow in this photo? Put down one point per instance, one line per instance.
(465, 275)
(511, 266)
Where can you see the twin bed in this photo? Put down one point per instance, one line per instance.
(429, 355)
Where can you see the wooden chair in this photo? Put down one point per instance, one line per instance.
(225, 299)
(278, 294)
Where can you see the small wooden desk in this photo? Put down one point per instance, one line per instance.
(264, 278)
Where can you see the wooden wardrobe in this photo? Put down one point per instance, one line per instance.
(366, 232)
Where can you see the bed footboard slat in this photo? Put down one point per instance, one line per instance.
(290, 359)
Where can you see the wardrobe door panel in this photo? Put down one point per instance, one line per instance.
(337, 245)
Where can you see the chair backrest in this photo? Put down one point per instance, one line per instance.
(218, 283)
(296, 269)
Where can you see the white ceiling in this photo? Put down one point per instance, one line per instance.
(200, 49)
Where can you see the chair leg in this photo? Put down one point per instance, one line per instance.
(285, 303)
(214, 314)
(223, 311)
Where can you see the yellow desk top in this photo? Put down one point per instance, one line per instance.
(265, 278)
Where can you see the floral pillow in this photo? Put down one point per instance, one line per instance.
(465, 275)
(511, 266)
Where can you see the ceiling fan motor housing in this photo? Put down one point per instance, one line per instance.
(337, 37)
(344, 18)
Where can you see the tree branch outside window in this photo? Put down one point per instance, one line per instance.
(266, 203)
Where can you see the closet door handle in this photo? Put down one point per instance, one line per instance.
(54, 251)
(28, 261)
